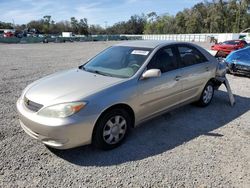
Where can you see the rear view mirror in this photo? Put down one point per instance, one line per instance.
(152, 73)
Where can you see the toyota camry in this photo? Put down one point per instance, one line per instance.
(125, 85)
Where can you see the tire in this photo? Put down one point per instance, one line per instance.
(111, 129)
(231, 72)
(206, 95)
(45, 41)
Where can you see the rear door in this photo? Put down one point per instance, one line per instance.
(158, 94)
(195, 71)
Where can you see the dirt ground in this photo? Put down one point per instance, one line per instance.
(188, 147)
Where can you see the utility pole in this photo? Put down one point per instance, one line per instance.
(13, 22)
(239, 14)
(106, 26)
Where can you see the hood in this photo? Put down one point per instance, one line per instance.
(68, 86)
(239, 57)
(225, 46)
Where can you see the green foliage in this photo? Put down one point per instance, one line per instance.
(217, 16)
(79, 27)
(135, 25)
(48, 26)
(96, 30)
(4, 25)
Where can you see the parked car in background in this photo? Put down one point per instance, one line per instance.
(227, 47)
(8, 34)
(19, 34)
(120, 88)
(239, 62)
(1, 33)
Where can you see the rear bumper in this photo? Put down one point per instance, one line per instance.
(59, 133)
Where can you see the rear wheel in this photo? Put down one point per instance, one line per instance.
(207, 95)
(111, 129)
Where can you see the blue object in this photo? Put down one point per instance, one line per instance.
(239, 61)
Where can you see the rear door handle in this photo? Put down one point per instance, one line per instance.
(177, 78)
(207, 68)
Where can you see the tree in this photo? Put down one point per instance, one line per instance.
(74, 24)
(180, 22)
(83, 27)
(79, 27)
(135, 25)
(37, 24)
(46, 24)
(96, 30)
(4, 25)
(218, 16)
(160, 25)
(151, 17)
(209, 16)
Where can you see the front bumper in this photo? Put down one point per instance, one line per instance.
(239, 69)
(59, 133)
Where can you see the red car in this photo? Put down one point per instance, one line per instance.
(227, 47)
(8, 34)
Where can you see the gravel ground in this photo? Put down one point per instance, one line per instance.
(188, 147)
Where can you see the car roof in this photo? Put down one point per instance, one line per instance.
(147, 43)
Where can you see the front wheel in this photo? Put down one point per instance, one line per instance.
(111, 129)
(207, 95)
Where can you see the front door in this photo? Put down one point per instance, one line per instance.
(161, 93)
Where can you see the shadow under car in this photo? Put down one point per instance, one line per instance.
(163, 133)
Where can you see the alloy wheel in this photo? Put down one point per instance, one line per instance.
(114, 129)
(208, 94)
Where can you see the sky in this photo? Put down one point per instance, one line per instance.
(96, 11)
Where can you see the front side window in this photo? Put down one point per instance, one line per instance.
(118, 61)
(164, 59)
(190, 56)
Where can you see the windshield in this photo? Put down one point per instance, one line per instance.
(118, 61)
(242, 55)
(232, 42)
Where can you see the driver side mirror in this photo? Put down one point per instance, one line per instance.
(151, 73)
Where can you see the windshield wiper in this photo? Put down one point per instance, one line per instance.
(99, 72)
(81, 67)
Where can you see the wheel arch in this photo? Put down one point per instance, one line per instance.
(115, 106)
(215, 82)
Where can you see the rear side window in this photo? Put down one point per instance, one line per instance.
(190, 56)
(165, 60)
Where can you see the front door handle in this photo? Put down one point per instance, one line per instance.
(177, 78)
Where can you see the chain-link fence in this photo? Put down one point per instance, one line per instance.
(59, 39)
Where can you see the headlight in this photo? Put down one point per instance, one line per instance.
(62, 110)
